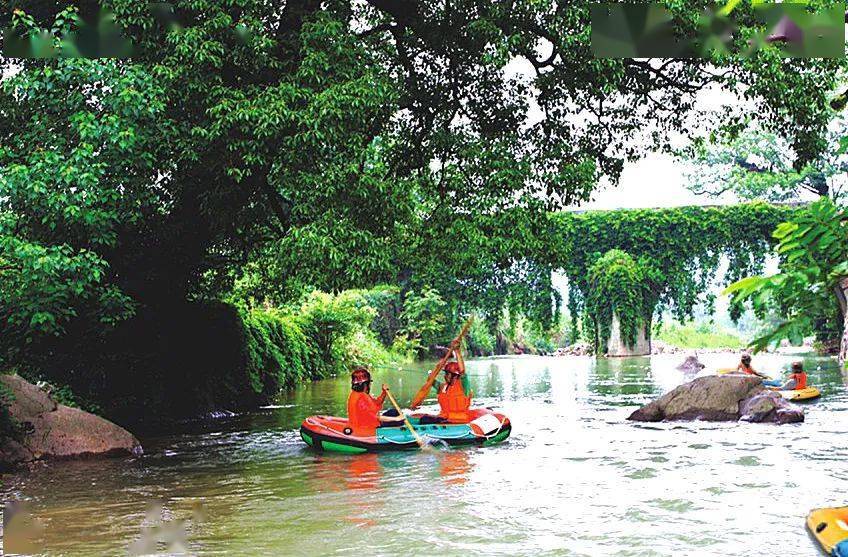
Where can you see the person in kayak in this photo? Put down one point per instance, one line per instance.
(745, 367)
(797, 379)
(453, 400)
(363, 410)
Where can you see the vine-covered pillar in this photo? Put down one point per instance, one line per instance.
(620, 304)
(617, 345)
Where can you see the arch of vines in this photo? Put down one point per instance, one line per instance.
(675, 252)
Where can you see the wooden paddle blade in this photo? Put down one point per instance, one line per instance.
(455, 346)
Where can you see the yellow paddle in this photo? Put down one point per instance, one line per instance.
(421, 443)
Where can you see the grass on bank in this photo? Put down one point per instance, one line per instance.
(703, 335)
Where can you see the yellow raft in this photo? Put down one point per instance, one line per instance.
(830, 528)
(800, 394)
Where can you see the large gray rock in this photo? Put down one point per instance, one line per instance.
(51, 430)
(721, 398)
(769, 406)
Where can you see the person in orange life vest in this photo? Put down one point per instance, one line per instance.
(452, 396)
(363, 410)
(797, 379)
(745, 367)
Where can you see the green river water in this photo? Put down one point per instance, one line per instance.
(575, 478)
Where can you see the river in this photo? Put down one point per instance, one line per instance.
(575, 478)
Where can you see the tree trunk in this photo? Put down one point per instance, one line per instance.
(616, 345)
(842, 295)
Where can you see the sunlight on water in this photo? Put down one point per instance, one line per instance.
(575, 478)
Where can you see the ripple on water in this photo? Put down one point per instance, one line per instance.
(642, 474)
(674, 505)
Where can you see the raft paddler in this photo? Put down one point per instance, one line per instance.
(745, 367)
(797, 379)
(363, 410)
(451, 394)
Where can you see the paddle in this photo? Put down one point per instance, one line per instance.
(454, 346)
(418, 439)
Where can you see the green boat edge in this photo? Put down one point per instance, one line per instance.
(323, 443)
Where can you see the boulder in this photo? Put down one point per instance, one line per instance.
(769, 406)
(691, 364)
(576, 349)
(721, 398)
(51, 430)
(29, 399)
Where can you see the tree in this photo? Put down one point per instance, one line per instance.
(813, 248)
(78, 171)
(760, 164)
(316, 143)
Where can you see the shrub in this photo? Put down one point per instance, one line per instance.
(423, 320)
(480, 340)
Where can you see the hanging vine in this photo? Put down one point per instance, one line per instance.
(622, 287)
(680, 248)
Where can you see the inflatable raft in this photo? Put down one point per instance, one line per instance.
(830, 528)
(328, 433)
(808, 393)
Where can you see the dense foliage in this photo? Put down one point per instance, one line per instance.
(758, 164)
(679, 249)
(813, 248)
(622, 288)
(254, 151)
(693, 336)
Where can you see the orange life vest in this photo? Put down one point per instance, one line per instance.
(800, 380)
(454, 403)
(747, 369)
(362, 412)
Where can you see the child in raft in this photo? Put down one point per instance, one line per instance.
(363, 410)
(745, 367)
(797, 379)
(453, 400)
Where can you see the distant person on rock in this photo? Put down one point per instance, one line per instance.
(797, 379)
(363, 410)
(745, 367)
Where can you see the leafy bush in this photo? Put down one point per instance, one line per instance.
(423, 319)
(327, 335)
(806, 292)
(480, 340)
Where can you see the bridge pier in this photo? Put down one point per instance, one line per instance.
(617, 347)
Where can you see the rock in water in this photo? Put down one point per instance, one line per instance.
(51, 430)
(691, 364)
(721, 398)
(769, 406)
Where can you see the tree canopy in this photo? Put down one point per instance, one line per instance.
(272, 148)
(759, 164)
